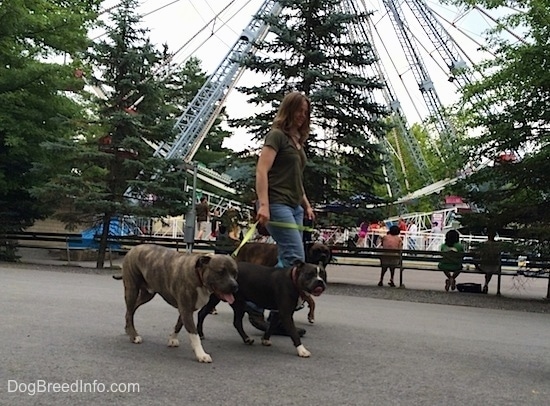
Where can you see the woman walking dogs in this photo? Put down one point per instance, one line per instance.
(279, 178)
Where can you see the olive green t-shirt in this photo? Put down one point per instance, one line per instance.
(285, 178)
(451, 257)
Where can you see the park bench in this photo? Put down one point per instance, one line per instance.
(419, 260)
(43, 240)
(71, 246)
(31, 239)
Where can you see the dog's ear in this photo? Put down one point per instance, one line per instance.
(203, 261)
(298, 263)
(327, 257)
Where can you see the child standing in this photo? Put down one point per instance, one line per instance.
(363, 228)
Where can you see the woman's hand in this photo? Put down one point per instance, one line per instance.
(262, 215)
(308, 210)
(309, 213)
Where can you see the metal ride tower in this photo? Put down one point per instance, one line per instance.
(456, 61)
(365, 34)
(451, 53)
(199, 116)
(425, 84)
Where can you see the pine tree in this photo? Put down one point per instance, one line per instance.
(312, 50)
(35, 106)
(109, 170)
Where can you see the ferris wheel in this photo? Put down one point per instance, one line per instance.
(423, 49)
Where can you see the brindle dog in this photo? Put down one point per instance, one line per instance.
(184, 281)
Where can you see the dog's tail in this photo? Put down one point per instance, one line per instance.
(117, 277)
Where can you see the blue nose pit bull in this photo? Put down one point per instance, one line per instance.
(274, 289)
(267, 254)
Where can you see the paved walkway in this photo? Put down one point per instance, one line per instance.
(67, 328)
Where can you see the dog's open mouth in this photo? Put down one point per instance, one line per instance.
(317, 291)
(226, 297)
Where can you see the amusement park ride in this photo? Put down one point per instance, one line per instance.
(415, 25)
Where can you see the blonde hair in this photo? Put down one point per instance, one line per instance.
(284, 119)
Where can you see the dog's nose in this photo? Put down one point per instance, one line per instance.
(234, 287)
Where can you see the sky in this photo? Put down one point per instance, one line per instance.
(208, 29)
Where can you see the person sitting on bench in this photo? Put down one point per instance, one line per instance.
(451, 261)
(390, 260)
(488, 258)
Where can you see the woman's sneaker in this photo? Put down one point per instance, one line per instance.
(257, 320)
(280, 331)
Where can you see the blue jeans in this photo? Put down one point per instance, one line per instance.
(289, 240)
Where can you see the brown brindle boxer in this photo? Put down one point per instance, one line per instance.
(184, 281)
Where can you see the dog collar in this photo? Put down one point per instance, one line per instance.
(199, 276)
(294, 277)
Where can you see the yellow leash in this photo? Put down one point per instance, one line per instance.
(252, 230)
(290, 225)
(246, 238)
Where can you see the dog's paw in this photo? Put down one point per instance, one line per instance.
(311, 320)
(249, 341)
(173, 342)
(136, 339)
(302, 352)
(265, 342)
(204, 357)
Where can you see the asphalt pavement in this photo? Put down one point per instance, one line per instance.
(63, 343)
